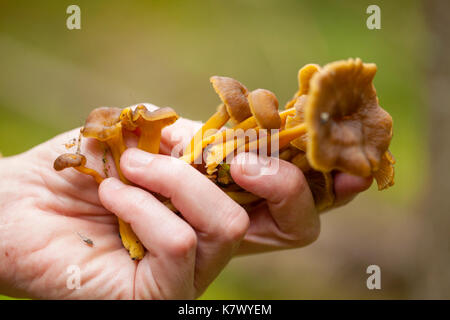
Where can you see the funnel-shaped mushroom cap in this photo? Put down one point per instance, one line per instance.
(69, 160)
(101, 123)
(166, 115)
(234, 96)
(347, 128)
(264, 107)
(297, 119)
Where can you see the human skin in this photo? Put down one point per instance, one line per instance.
(41, 212)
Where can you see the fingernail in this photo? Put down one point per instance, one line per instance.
(137, 158)
(252, 165)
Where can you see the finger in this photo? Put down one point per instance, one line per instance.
(170, 241)
(177, 136)
(289, 199)
(347, 186)
(220, 222)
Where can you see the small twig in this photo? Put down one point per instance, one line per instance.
(86, 240)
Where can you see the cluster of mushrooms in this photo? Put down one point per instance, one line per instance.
(333, 123)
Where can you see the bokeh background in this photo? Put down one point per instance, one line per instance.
(164, 52)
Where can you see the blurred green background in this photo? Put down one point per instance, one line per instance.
(164, 52)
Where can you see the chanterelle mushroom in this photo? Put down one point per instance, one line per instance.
(264, 107)
(234, 96)
(151, 124)
(235, 107)
(78, 162)
(104, 125)
(347, 128)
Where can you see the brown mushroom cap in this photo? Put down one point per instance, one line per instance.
(101, 123)
(299, 118)
(347, 128)
(234, 96)
(264, 107)
(69, 160)
(166, 115)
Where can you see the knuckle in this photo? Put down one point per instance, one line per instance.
(237, 226)
(182, 242)
(307, 236)
(296, 183)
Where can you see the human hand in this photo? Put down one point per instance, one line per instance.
(288, 217)
(41, 212)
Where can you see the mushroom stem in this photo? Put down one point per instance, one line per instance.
(249, 123)
(284, 137)
(91, 172)
(287, 135)
(150, 138)
(217, 121)
(221, 151)
(129, 239)
(117, 147)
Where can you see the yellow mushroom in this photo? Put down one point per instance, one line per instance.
(104, 125)
(78, 162)
(151, 124)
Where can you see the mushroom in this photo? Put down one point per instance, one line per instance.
(347, 128)
(151, 124)
(304, 76)
(195, 147)
(264, 107)
(234, 96)
(78, 162)
(235, 107)
(104, 125)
